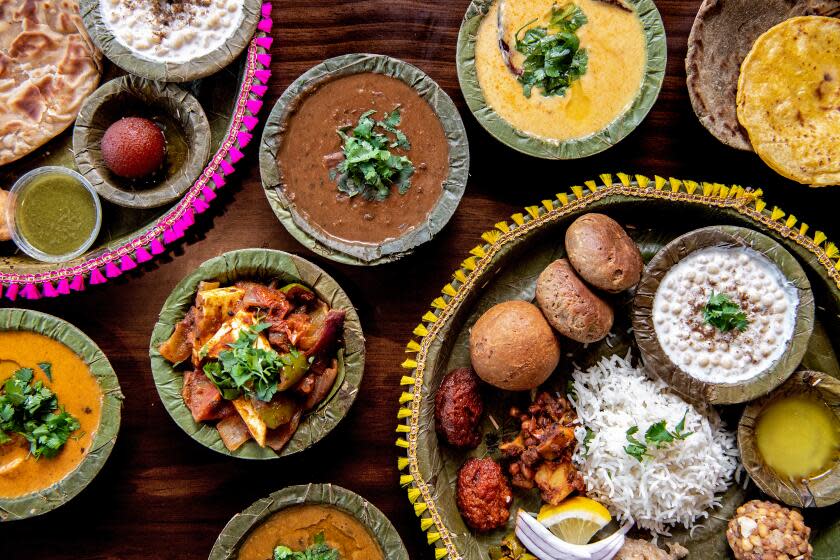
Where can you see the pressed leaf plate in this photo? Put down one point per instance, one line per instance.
(260, 265)
(37, 503)
(505, 267)
(217, 95)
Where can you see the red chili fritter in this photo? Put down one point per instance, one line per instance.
(483, 494)
(458, 409)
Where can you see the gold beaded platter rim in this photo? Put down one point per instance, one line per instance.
(445, 531)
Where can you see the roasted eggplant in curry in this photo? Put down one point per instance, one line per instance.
(257, 359)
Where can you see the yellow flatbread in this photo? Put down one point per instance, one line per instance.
(789, 99)
(48, 67)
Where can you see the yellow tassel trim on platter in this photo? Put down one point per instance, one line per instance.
(745, 201)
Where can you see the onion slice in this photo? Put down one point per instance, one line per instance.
(547, 546)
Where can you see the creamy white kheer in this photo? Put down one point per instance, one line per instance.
(615, 42)
(172, 30)
(752, 282)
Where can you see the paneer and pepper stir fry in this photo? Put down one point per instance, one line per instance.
(258, 358)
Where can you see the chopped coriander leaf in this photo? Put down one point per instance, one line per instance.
(657, 435)
(636, 448)
(31, 410)
(724, 314)
(319, 550)
(369, 167)
(246, 369)
(46, 367)
(553, 57)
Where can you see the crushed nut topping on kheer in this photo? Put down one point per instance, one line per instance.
(172, 30)
(749, 280)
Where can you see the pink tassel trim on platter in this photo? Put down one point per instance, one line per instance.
(48, 290)
(172, 226)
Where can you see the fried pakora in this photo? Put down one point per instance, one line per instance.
(458, 409)
(483, 496)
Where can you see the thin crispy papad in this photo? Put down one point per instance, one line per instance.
(788, 99)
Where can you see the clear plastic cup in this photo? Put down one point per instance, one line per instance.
(23, 244)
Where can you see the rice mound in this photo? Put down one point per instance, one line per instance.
(678, 483)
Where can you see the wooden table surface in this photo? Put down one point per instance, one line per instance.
(163, 496)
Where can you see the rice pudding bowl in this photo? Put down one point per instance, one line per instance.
(753, 283)
(174, 31)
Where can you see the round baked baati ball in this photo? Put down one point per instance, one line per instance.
(512, 346)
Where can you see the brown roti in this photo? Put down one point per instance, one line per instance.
(48, 67)
(722, 35)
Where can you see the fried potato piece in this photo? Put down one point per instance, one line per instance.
(789, 96)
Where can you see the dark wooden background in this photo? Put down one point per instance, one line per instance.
(163, 496)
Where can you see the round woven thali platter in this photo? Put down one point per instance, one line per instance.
(309, 234)
(260, 265)
(195, 69)
(71, 485)
(129, 237)
(624, 124)
(238, 528)
(505, 266)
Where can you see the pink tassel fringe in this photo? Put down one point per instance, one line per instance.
(265, 42)
(12, 291)
(142, 255)
(265, 25)
(218, 181)
(208, 193)
(78, 283)
(263, 75)
(266, 9)
(200, 206)
(63, 287)
(168, 236)
(235, 156)
(112, 270)
(250, 122)
(48, 290)
(227, 168)
(253, 106)
(259, 91)
(30, 291)
(244, 139)
(127, 264)
(156, 246)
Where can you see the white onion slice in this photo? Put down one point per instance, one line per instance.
(553, 548)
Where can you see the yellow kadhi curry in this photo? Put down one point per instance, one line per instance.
(78, 392)
(296, 527)
(615, 43)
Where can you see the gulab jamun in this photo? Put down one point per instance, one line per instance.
(133, 147)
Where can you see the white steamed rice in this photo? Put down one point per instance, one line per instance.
(681, 482)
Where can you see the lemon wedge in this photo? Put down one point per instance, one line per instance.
(575, 520)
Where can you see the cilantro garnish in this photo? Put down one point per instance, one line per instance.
(46, 367)
(553, 57)
(31, 410)
(724, 314)
(656, 435)
(319, 550)
(369, 167)
(245, 369)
